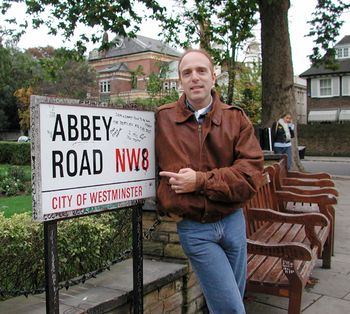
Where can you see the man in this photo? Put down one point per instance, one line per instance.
(209, 161)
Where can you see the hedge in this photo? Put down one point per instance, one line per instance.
(15, 153)
(325, 139)
(84, 244)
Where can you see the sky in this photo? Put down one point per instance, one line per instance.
(299, 13)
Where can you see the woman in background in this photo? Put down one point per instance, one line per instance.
(283, 132)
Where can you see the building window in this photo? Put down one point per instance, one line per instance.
(346, 86)
(105, 86)
(173, 85)
(340, 53)
(343, 53)
(166, 86)
(325, 87)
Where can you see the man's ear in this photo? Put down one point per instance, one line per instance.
(214, 78)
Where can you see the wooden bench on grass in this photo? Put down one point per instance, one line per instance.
(283, 248)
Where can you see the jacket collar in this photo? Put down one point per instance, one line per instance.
(183, 113)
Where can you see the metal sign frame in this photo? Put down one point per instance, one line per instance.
(39, 180)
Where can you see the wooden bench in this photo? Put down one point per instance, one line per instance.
(305, 184)
(293, 178)
(283, 248)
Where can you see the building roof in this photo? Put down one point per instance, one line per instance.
(343, 64)
(126, 46)
(344, 41)
(344, 67)
(116, 67)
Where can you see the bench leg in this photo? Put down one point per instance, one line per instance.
(294, 306)
(327, 254)
(332, 213)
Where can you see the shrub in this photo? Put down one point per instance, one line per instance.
(84, 244)
(10, 186)
(13, 180)
(15, 153)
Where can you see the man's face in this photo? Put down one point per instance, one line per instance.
(197, 79)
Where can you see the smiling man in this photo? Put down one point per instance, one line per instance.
(210, 163)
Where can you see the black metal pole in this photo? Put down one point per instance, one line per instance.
(137, 259)
(51, 267)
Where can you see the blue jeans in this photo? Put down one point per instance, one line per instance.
(218, 255)
(285, 150)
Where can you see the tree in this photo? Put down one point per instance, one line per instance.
(66, 73)
(17, 70)
(325, 25)
(220, 28)
(154, 86)
(277, 69)
(119, 17)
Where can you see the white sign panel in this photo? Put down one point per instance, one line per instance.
(89, 159)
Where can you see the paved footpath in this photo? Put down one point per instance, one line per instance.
(331, 294)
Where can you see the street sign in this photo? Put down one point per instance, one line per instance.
(89, 158)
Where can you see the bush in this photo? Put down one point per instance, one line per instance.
(15, 153)
(84, 244)
(13, 180)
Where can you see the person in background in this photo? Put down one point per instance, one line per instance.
(210, 163)
(283, 132)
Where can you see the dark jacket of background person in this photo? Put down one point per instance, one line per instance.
(278, 134)
(223, 151)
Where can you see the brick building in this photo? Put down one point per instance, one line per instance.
(123, 70)
(328, 90)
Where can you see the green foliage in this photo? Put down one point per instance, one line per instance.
(17, 70)
(154, 85)
(220, 28)
(84, 244)
(325, 25)
(15, 153)
(248, 92)
(119, 17)
(13, 181)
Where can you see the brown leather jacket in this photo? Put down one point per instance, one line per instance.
(223, 151)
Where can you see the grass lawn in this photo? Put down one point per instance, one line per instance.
(19, 203)
(15, 204)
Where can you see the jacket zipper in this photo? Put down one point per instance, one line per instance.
(200, 145)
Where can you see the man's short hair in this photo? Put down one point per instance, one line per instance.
(203, 52)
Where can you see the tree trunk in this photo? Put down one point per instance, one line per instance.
(277, 69)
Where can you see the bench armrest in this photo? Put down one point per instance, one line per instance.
(310, 219)
(308, 182)
(307, 175)
(320, 190)
(287, 250)
(321, 199)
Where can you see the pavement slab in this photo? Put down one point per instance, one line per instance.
(329, 305)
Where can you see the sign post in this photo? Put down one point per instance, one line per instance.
(51, 267)
(88, 158)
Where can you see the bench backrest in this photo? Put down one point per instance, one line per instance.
(264, 198)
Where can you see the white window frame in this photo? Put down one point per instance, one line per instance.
(326, 90)
(316, 87)
(173, 85)
(345, 86)
(166, 86)
(343, 53)
(105, 87)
